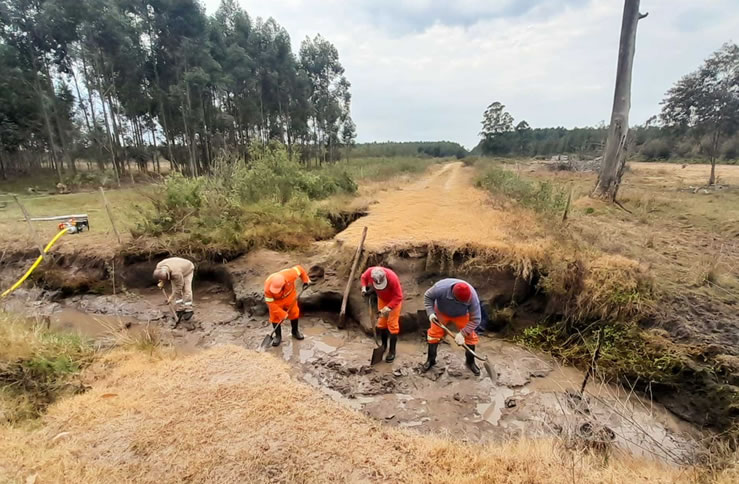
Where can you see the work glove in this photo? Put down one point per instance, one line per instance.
(160, 284)
(433, 319)
(365, 292)
(385, 312)
(459, 338)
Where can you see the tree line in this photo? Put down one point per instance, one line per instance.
(434, 149)
(699, 120)
(116, 82)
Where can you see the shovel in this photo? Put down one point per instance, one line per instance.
(488, 368)
(267, 341)
(176, 317)
(379, 349)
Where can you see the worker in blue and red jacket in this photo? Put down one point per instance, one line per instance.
(452, 302)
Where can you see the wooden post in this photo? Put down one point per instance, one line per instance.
(345, 300)
(34, 234)
(567, 206)
(110, 214)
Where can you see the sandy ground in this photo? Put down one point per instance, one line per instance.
(444, 208)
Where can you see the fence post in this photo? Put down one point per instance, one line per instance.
(34, 234)
(110, 215)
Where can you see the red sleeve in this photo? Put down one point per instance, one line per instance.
(367, 277)
(397, 290)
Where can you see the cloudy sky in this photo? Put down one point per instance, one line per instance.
(426, 69)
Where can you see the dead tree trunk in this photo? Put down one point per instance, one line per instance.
(614, 159)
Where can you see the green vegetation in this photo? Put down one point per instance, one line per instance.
(37, 366)
(381, 168)
(264, 203)
(542, 196)
(435, 149)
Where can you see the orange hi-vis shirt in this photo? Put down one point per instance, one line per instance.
(279, 304)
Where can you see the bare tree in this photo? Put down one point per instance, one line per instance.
(614, 159)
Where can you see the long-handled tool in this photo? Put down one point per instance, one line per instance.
(379, 349)
(488, 368)
(267, 341)
(176, 317)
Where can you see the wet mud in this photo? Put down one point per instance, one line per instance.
(532, 396)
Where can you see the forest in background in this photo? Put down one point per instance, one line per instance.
(116, 82)
(699, 121)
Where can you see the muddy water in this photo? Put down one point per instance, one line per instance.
(530, 397)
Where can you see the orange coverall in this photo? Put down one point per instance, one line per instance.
(285, 304)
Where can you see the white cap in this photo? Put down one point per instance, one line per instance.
(379, 279)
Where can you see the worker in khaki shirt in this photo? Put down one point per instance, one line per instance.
(180, 272)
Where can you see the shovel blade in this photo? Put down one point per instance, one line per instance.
(491, 372)
(377, 355)
(266, 342)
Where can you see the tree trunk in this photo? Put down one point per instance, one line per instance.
(110, 135)
(714, 155)
(90, 87)
(614, 159)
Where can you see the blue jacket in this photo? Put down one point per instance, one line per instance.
(440, 298)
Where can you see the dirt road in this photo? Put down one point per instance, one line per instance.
(443, 207)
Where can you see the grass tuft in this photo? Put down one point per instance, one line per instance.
(37, 366)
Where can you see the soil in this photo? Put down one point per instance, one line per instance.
(443, 208)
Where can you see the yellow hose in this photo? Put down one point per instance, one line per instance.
(35, 264)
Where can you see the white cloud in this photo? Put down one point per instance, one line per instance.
(421, 69)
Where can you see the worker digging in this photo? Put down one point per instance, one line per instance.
(452, 302)
(180, 273)
(386, 285)
(282, 300)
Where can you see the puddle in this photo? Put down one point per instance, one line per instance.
(91, 326)
(493, 410)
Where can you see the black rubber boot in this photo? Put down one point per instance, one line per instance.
(391, 354)
(431, 359)
(471, 361)
(296, 331)
(383, 337)
(278, 334)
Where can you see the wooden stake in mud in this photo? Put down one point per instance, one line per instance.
(34, 234)
(357, 256)
(110, 214)
(567, 206)
(596, 355)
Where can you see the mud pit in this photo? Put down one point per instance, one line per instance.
(529, 398)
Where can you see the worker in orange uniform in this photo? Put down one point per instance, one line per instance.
(281, 297)
(389, 303)
(453, 302)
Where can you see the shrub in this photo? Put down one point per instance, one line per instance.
(542, 196)
(265, 202)
(656, 149)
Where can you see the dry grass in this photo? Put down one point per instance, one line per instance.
(233, 415)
